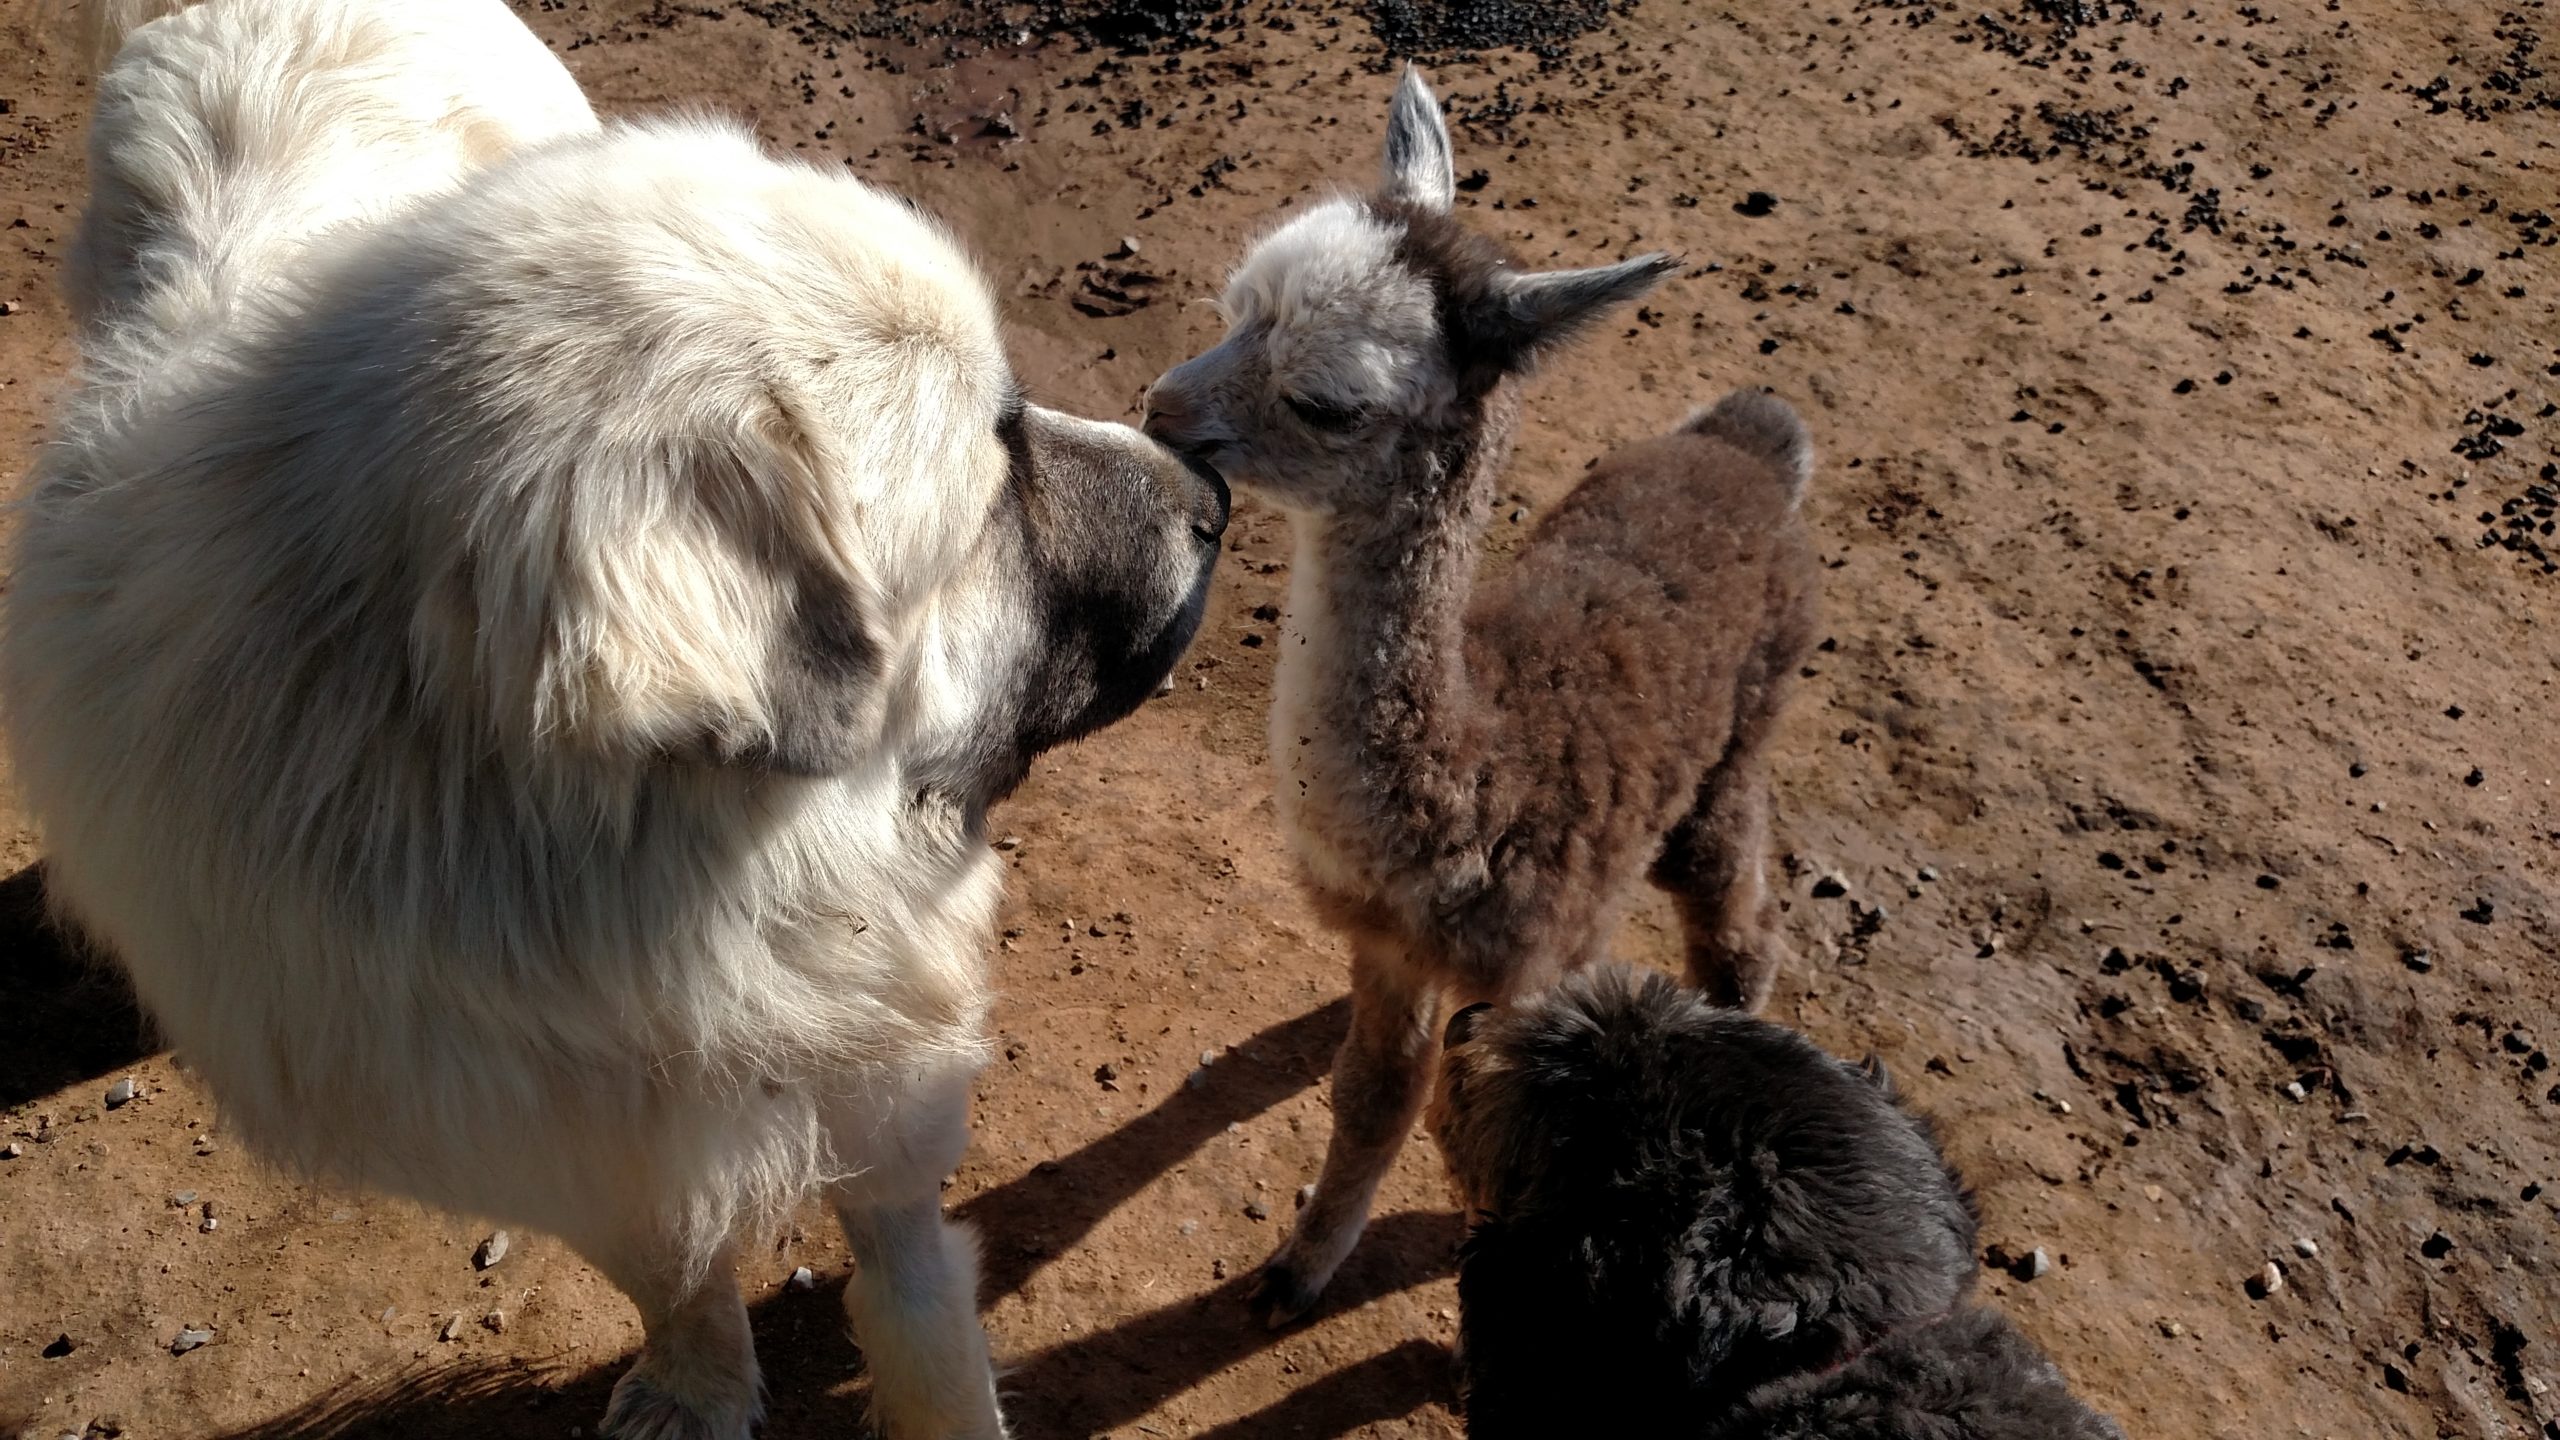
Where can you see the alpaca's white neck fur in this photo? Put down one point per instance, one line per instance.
(1372, 693)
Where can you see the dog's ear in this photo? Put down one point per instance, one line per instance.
(716, 610)
(1879, 1077)
(1462, 1025)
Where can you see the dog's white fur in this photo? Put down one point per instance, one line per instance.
(401, 654)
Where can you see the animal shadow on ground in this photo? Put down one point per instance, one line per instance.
(65, 1017)
(1077, 1388)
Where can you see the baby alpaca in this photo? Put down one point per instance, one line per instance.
(1685, 1221)
(1474, 776)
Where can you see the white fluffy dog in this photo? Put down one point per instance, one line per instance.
(513, 642)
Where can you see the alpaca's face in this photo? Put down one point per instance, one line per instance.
(1360, 334)
(1333, 353)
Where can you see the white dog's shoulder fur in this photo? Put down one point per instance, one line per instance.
(513, 636)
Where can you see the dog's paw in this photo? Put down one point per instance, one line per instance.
(641, 1410)
(1282, 1294)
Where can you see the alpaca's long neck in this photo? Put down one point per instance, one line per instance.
(1374, 677)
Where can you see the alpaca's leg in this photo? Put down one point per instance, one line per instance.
(696, 1377)
(1380, 1079)
(913, 1299)
(1715, 864)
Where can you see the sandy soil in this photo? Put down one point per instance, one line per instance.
(2176, 738)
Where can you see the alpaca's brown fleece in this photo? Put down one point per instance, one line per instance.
(1518, 775)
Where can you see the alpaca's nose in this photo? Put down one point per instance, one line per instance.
(1170, 418)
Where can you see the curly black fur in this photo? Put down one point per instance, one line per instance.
(1690, 1222)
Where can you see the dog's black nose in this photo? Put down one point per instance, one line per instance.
(1217, 503)
(1462, 1026)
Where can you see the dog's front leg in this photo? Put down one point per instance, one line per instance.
(913, 1299)
(913, 1303)
(696, 1378)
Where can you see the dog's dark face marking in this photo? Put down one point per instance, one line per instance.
(1115, 539)
(1700, 1199)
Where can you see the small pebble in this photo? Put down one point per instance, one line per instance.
(2307, 1248)
(2036, 1266)
(210, 1225)
(1187, 1227)
(1014, 842)
(12, 1150)
(2293, 1091)
(802, 1278)
(121, 1093)
(1831, 886)
(10, 307)
(190, 1340)
(1256, 1210)
(2172, 1329)
(1306, 1194)
(183, 1199)
(1218, 1269)
(491, 1251)
(1208, 1058)
(495, 1322)
(452, 1330)
(1928, 873)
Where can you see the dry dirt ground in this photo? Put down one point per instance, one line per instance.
(2184, 378)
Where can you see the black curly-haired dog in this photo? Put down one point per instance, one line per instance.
(1685, 1221)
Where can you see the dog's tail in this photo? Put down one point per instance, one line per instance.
(100, 26)
(1761, 425)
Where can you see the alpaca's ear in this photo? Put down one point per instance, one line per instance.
(1525, 313)
(1419, 168)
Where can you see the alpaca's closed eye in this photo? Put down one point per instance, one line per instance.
(1324, 414)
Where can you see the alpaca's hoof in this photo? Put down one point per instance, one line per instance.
(640, 1410)
(1281, 1295)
